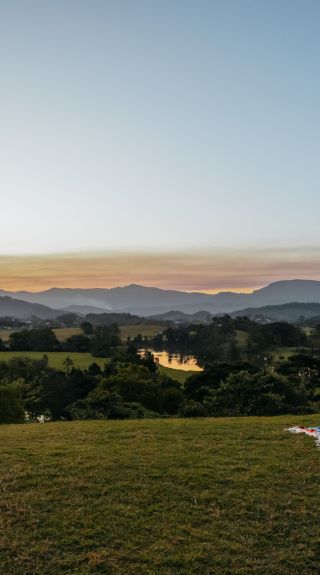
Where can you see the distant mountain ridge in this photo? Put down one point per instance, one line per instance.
(151, 301)
(290, 312)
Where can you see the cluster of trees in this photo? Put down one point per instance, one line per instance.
(128, 386)
(101, 341)
(244, 389)
(218, 340)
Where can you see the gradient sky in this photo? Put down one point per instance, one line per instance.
(159, 130)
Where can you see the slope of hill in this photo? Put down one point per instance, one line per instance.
(24, 310)
(83, 309)
(175, 496)
(148, 301)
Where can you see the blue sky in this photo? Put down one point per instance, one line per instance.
(159, 126)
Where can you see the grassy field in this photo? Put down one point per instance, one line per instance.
(5, 333)
(282, 353)
(56, 358)
(144, 330)
(177, 374)
(159, 497)
(62, 333)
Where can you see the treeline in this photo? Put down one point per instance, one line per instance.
(130, 386)
(218, 341)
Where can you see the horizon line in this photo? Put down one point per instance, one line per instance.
(216, 291)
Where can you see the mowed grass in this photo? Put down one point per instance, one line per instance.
(160, 497)
(56, 358)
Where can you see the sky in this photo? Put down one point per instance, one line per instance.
(165, 142)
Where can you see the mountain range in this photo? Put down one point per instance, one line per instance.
(150, 301)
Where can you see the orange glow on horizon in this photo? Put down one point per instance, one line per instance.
(230, 290)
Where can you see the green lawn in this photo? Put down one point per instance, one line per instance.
(159, 497)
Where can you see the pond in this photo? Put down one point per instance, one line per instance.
(174, 360)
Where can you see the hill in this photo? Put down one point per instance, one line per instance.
(291, 312)
(24, 310)
(161, 497)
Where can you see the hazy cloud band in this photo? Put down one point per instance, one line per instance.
(219, 270)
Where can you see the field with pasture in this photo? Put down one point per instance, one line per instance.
(160, 497)
(82, 361)
(126, 331)
(56, 358)
(63, 333)
(144, 330)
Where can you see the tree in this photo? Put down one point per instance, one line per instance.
(233, 352)
(11, 406)
(43, 339)
(267, 393)
(87, 328)
(105, 340)
(78, 343)
(68, 364)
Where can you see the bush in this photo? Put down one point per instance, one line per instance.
(193, 409)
